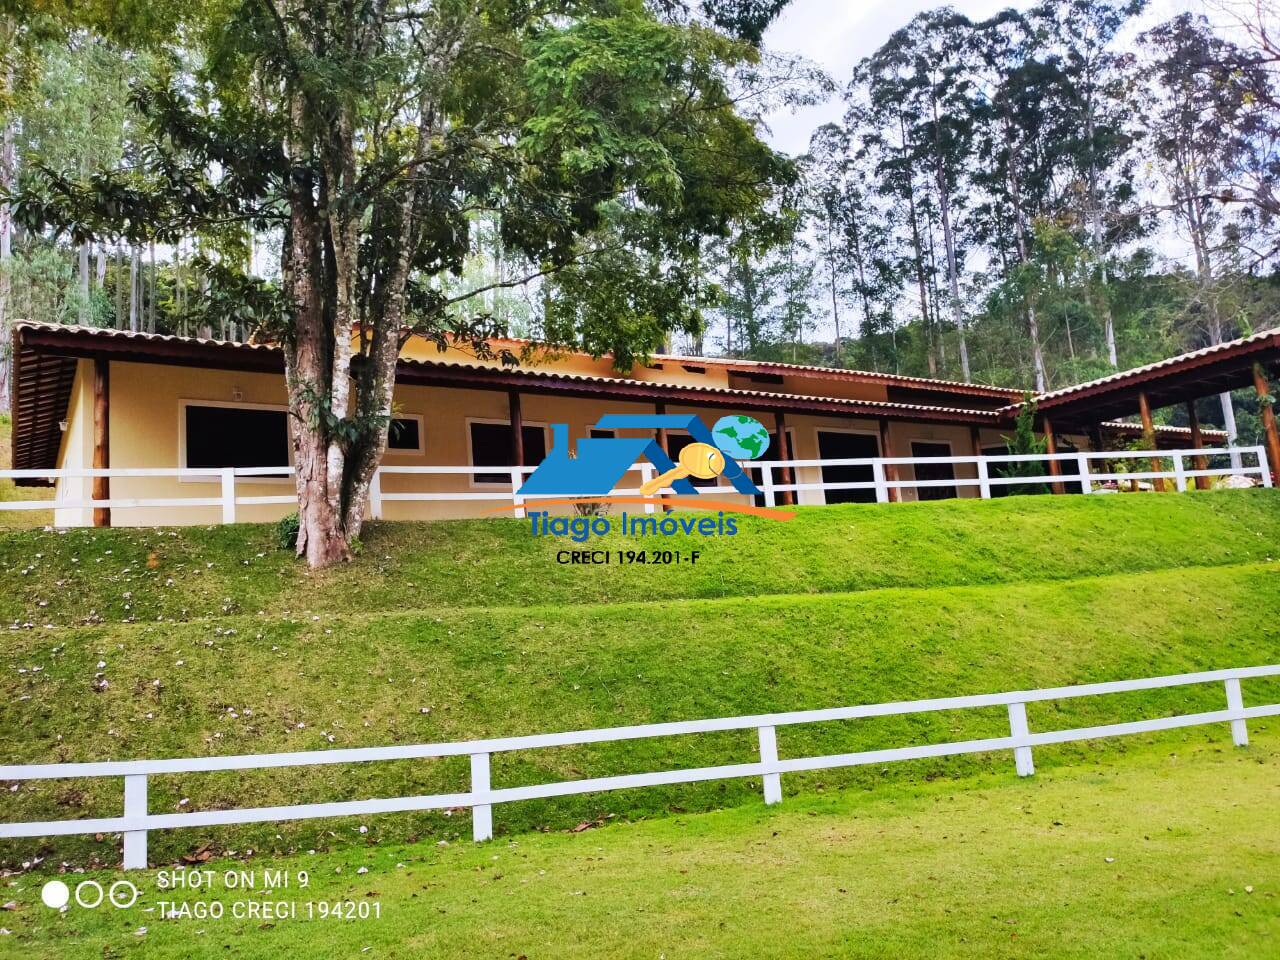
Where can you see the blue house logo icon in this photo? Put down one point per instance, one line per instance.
(601, 462)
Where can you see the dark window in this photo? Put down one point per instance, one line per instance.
(933, 471)
(833, 445)
(405, 433)
(491, 447)
(598, 434)
(236, 437)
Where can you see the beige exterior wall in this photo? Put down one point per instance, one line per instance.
(77, 449)
(146, 431)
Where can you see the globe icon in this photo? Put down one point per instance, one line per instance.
(742, 438)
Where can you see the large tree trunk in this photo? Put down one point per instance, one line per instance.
(311, 369)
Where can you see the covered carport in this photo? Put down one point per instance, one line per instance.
(1182, 380)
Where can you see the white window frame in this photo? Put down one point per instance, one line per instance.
(951, 448)
(817, 446)
(506, 422)
(421, 449)
(185, 402)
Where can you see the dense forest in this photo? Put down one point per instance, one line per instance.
(1031, 200)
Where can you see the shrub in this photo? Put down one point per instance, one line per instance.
(287, 532)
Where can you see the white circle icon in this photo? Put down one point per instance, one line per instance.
(122, 894)
(92, 886)
(55, 894)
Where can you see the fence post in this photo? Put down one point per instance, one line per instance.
(647, 471)
(481, 813)
(769, 754)
(228, 495)
(1235, 704)
(1179, 473)
(516, 481)
(882, 488)
(984, 485)
(1264, 466)
(135, 805)
(1018, 728)
(766, 483)
(375, 495)
(1086, 478)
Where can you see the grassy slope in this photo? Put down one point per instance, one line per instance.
(69, 577)
(1165, 856)
(243, 684)
(456, 630)
(14, 519)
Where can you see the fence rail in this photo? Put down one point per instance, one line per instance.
(483, 796)
(886, 476)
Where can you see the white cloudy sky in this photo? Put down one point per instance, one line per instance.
(836, 34)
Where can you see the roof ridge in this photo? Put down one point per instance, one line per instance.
(1120, 375)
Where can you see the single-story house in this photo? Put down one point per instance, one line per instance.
(87, 397)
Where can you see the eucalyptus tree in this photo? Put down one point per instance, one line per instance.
(1202, 128)
(827, 170)
(878, 120)
(922, 69)
(854, 235)
(603, 134)
(74, 120)
(1096, 77)
(1023, 136)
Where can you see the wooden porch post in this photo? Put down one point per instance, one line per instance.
(517, 429)
(1096, 445)
(784, 453)
(660, 409)
(886, 450)
(101, 486)
(1149, 435)
(1051, 447)
(975, 441)
(1197, 443)
(1268, 417)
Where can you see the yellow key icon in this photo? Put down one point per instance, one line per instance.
(700, 460)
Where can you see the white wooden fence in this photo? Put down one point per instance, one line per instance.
(481, 798)
(1087, 468)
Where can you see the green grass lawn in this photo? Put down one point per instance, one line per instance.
(19, 519)
(193, 642)
(243, 684)
(76, 576)
(1173, 853)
